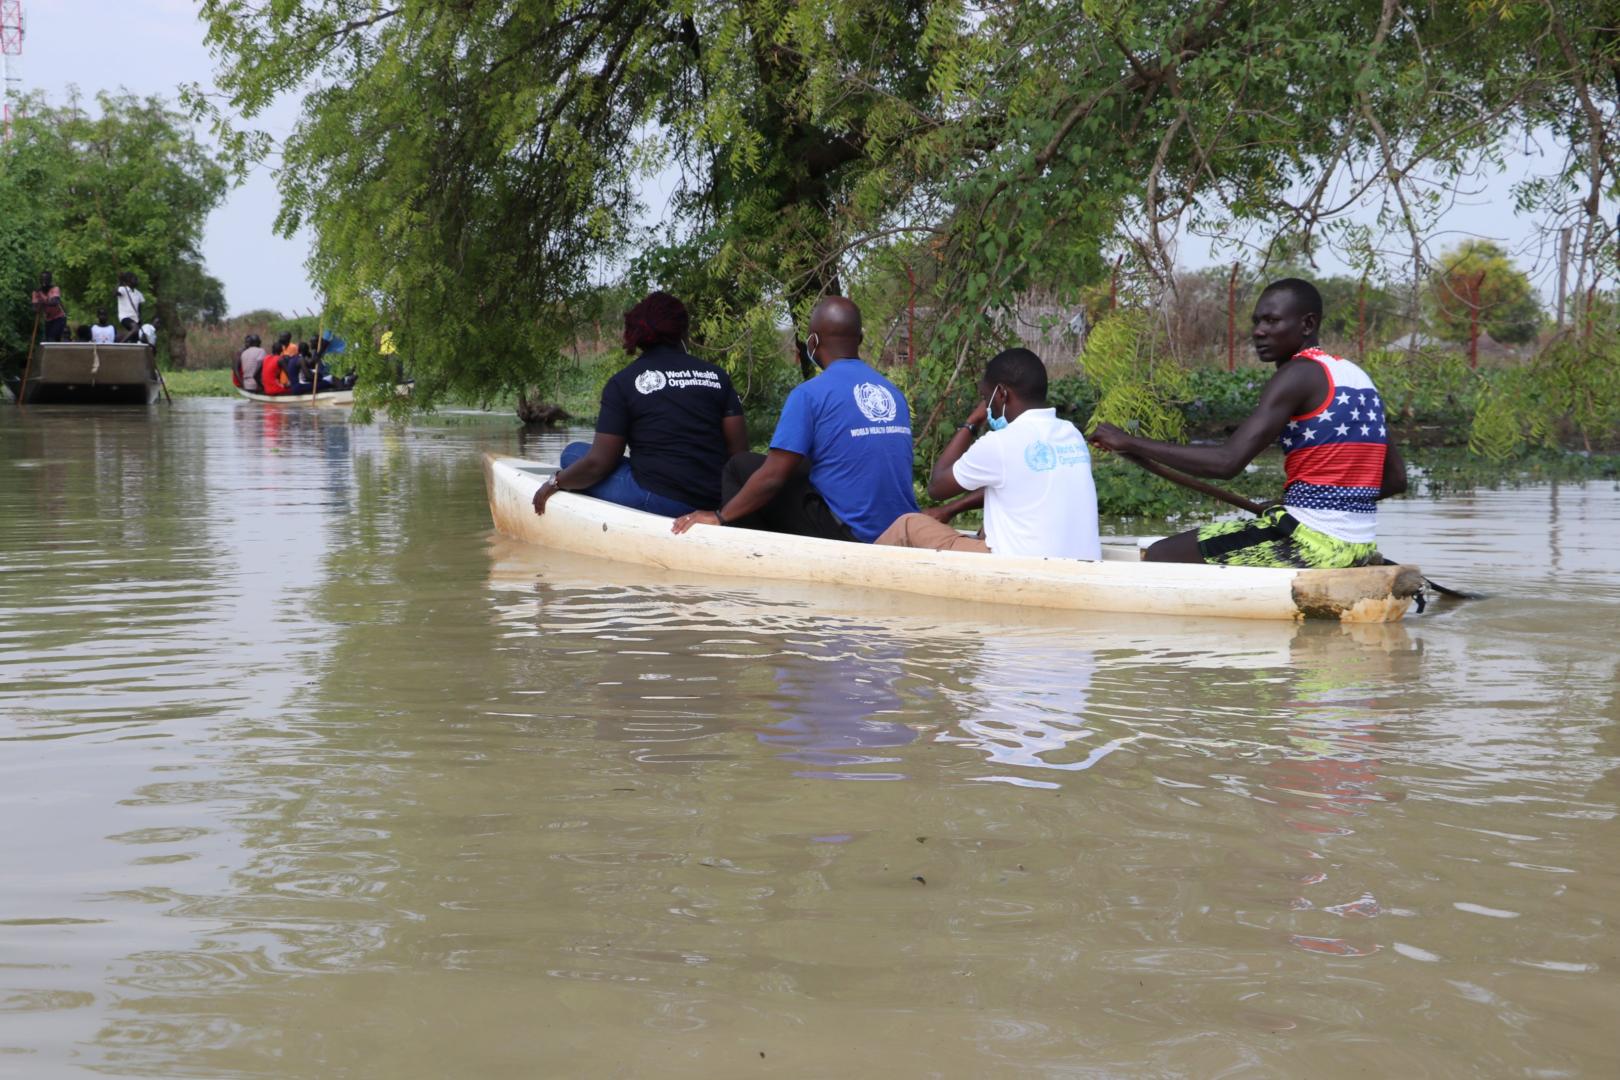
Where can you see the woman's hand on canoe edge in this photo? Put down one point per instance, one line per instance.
(547, 490)
(696, 517)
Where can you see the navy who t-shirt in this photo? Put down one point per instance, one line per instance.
(855, 428)
(668, 406)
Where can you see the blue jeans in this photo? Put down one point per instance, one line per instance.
(619, 486)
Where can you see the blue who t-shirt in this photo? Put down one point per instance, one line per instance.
(855, 428)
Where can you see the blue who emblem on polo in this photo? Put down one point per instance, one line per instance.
(1040, 457)
(875, 402)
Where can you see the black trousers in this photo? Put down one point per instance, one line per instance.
(798, 508)
(56, 329)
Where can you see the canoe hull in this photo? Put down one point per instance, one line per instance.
(589, 526)
(79, 373)
(326, 399)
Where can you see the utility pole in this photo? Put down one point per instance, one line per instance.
(11, 44)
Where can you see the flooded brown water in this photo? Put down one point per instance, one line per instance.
(305, 773)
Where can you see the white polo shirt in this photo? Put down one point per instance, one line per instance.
(1039, 498)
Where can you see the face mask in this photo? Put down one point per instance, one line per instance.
(997, 422)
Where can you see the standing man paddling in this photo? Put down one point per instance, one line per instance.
(840, 460)
(52, 315)
(1328, 419)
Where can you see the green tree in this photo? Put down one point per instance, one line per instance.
(126, 191)
(25, 250)
(471, 169)
(198, 295)
(1478, 279)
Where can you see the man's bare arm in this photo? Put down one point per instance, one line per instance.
(1394, 482)
(942, 478)
(734, 429)
(760, 489)
(1297, 388)
(973, 500)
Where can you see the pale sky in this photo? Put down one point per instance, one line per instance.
(154, 46)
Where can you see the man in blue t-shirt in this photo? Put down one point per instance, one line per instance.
(840, 461)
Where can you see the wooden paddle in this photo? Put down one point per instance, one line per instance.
(28, 366)
(161, 380)
(1234, 499)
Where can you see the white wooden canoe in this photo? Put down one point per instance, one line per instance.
(333, 399)
(325, 399)
(1121, 582)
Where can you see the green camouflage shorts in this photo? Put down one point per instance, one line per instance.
(1275, 538)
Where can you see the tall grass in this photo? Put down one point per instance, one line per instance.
(217, 345)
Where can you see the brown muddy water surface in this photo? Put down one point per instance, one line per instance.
(305, 773)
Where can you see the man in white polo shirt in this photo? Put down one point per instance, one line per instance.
(1034, 471)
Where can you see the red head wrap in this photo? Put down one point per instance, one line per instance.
(660, 319)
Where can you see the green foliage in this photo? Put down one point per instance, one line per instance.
(1444, 471)
(1478, 274)
(1570, 392)
(471, 169)
(215, 382)
(1133, 387)
(25, 249)
(1215, 400)
(126, 191)
(1424, 385)
(1495, 432)
(198, 295)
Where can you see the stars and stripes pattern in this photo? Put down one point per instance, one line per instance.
(1334, 456)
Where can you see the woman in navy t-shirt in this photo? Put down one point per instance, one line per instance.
(679, 416)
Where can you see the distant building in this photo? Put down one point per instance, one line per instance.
(1488, 346)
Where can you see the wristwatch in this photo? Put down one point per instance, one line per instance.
(971, 429)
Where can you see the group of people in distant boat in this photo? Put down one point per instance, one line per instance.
(839, 464)
(132, 329)
(287, 367)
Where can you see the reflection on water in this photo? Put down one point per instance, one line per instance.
(309, 775)
(1031, 710)
(838, 700)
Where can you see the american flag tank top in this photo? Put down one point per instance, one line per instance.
(1333, 456)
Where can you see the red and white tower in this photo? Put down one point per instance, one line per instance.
(11, 44)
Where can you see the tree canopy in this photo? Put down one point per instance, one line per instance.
(126, 191)
(1478, 280)
(472, 169)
